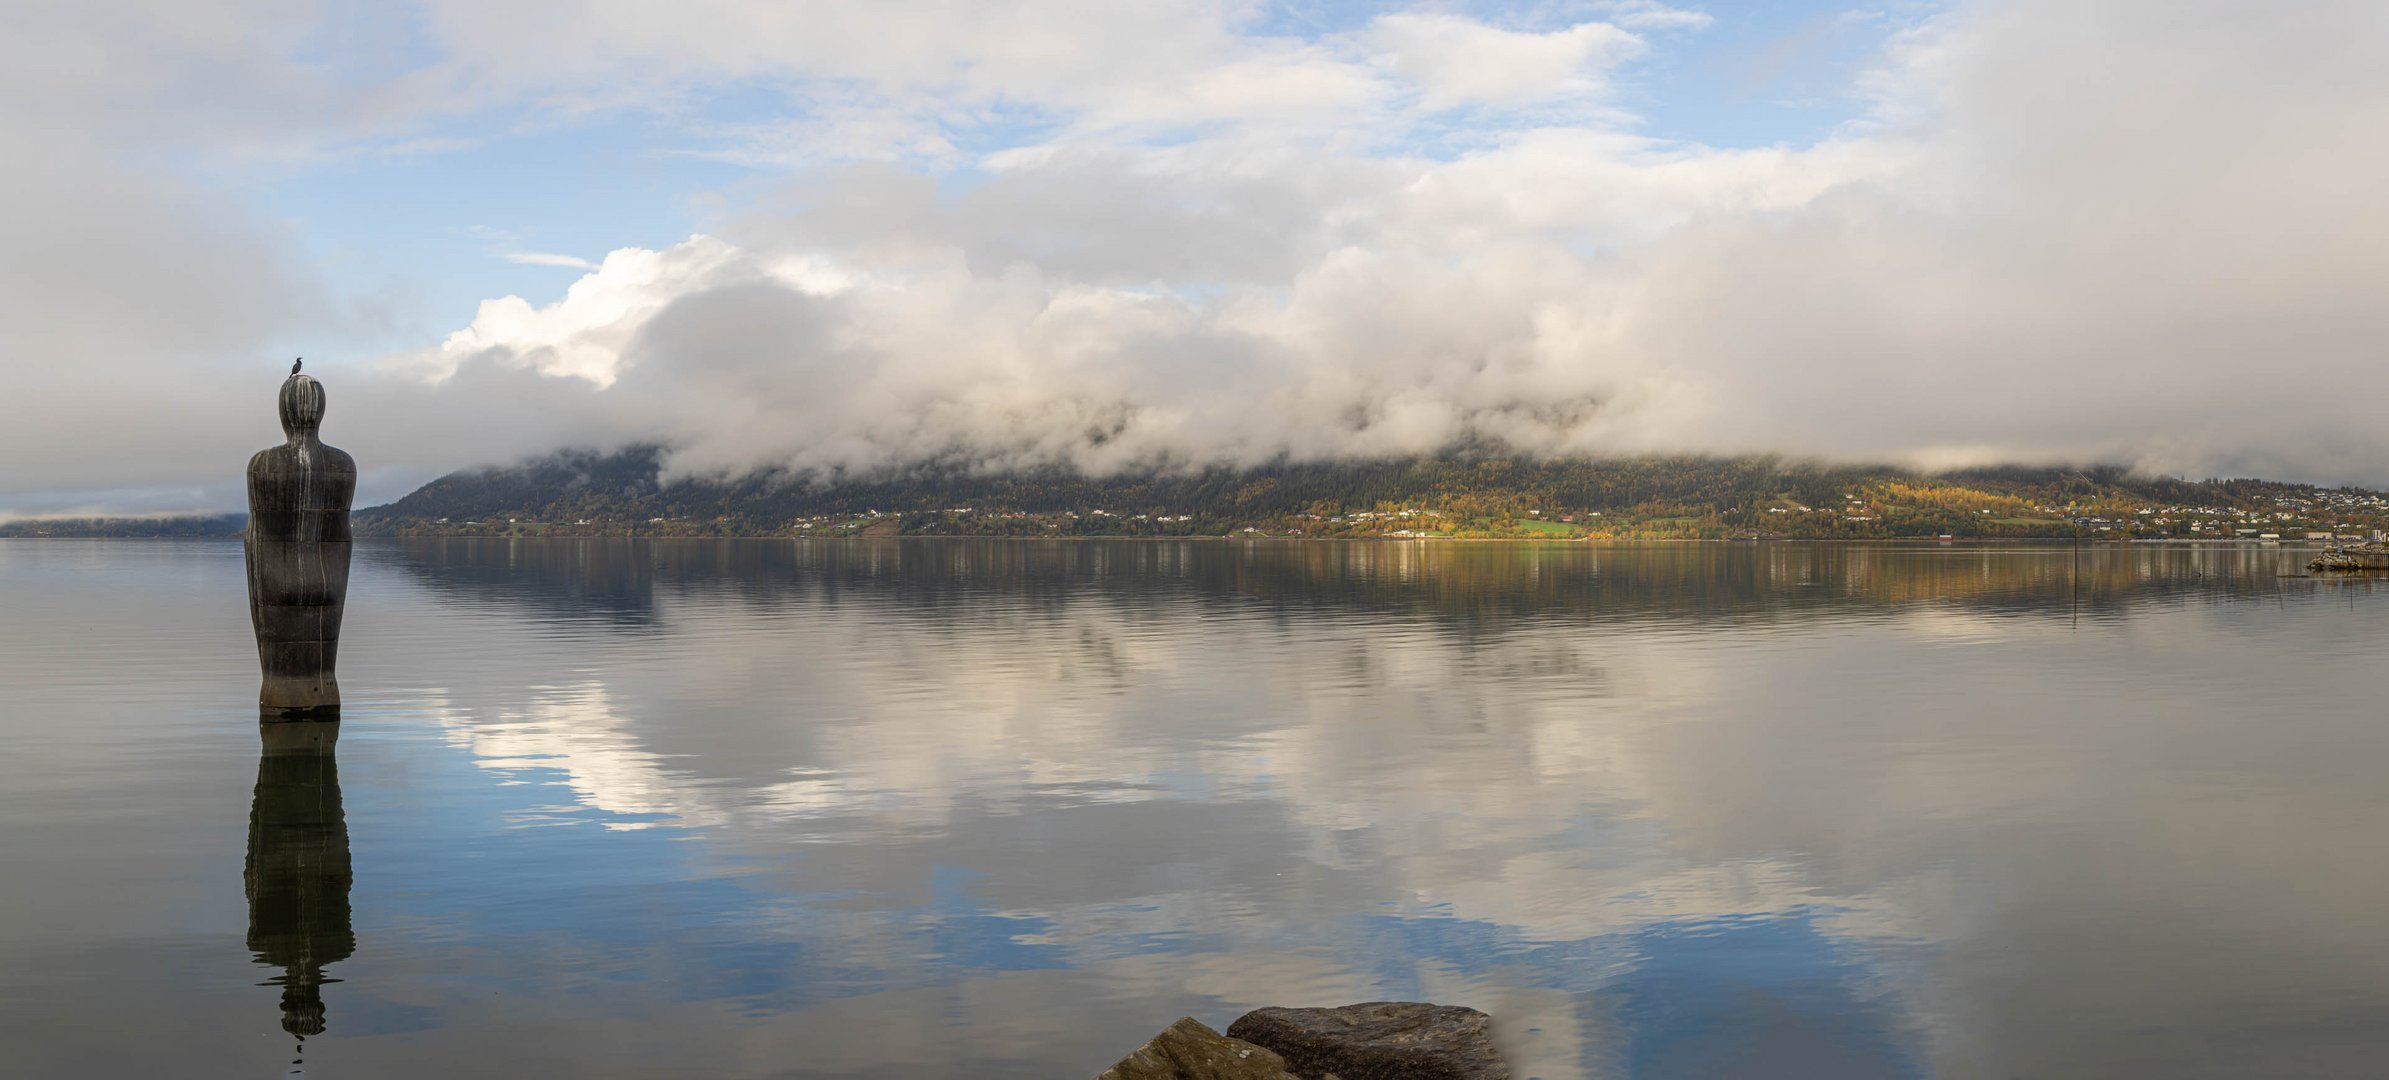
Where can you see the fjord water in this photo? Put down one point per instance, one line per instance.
(992, 808)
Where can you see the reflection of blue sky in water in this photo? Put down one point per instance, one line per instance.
(1881, 816)
(1773, 997)
(555, 880)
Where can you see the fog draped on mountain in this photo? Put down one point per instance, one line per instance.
(2143, 234)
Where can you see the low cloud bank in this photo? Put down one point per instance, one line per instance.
(2149, 236)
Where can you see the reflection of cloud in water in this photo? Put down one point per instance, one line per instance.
(571, 730)
(1754, 824)
(1002, 754)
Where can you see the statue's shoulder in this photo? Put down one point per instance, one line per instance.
(337, 459)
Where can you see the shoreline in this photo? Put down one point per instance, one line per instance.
(1903, 541)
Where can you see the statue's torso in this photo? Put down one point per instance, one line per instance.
(301, 493)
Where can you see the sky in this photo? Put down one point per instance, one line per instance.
(837, 237)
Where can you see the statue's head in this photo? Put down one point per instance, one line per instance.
(302, 406)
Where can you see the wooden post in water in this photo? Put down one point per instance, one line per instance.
(297, 547)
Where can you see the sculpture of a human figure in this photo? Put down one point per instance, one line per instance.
(297, 547)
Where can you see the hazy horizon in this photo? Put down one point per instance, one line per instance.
(844, 235)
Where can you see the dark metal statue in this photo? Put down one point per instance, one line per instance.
(298, 547)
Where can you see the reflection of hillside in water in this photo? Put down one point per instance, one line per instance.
(1468, 587)
(611, 581)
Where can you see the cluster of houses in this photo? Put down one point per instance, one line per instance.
(2291, 517)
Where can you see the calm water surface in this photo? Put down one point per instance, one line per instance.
(992, 809)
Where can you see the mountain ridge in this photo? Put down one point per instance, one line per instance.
(1457, 495)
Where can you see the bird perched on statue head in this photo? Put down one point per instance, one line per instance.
(294, 365)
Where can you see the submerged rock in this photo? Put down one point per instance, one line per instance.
(1379, 1040)
(1187, 1050)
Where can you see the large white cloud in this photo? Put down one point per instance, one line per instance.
(2144, 233)
(1458, 61)
(2064, 233)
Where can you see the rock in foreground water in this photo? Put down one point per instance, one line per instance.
(1379, 1040)
(1187, 1050)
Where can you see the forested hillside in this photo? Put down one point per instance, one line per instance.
(1455, 495)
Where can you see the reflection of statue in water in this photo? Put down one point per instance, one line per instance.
(297, 874)
(298, 547)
